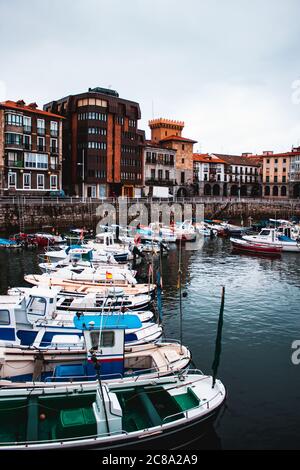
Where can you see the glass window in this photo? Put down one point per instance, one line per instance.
(37, 306)
(4, 317)
(40, 181)
(26, 181)
(36, 160)
(107, 339)
(14, 119)
(53, 182)
(41, 123)
(13, 139)
(12, 180)
(27, 123)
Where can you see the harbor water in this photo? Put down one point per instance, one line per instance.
(261, 320)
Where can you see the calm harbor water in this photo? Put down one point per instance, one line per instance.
(261, 319)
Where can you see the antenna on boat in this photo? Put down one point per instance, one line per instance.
(218, 346)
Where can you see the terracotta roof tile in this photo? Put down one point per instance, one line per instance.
(13, 105)
(178, 138)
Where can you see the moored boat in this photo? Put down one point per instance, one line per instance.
(255, 248)
(269, 236)
(137, 413)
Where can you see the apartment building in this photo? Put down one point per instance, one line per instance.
(30, 149)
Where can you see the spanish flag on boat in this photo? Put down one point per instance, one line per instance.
(108, 275)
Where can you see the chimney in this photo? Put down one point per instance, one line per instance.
(268, 152)
(246, 154)
(32, 105)
(20, 103)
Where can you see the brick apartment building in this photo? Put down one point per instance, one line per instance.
(102, 145)
(30, 149)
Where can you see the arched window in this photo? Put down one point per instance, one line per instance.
(207, 190)
(283, 191)
(216, 190)
(267, 191)
(275, 190)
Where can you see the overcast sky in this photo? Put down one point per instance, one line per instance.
(229, 68)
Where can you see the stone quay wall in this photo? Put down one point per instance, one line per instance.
(24, 214)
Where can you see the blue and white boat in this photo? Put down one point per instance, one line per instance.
(6, 243)
(103, 341)
(36, 323)
(270, 236)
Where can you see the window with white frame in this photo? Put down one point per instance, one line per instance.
(53, 145)
(27, 122)
(41, 123)
(41, 144)
(13, 119)
(54, 128)
(53, 182)
(36, 160)
(40, 181)
(26, 181)
(12, 180)
(40, 126)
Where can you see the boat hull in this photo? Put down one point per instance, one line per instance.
(173, 437)
(255, 248)
(292, 247)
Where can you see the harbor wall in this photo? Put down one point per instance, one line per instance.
(32, 215)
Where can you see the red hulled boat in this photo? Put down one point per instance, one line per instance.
(255, 248)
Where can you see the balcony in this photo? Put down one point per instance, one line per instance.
(294, 176)
(54, 167)
(159, 182)
(27, 129)
(27, 146)
(41, 131)
(15, 163)
(53, 133)
(14, 145)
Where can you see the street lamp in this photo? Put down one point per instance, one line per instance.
(82, 164)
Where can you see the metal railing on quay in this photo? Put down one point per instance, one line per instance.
(47, 200)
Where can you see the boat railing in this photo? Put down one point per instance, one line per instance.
(170, 340)
(206, 403)
(65, 440)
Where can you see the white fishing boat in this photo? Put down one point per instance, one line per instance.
(139, 413)
(80, 274)
(104, 242)
(270, 236)
(80, 287)
(78, 254)
(34, 322)
(157, 232)
(111, 299)
(185, 231)
(63, 360)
